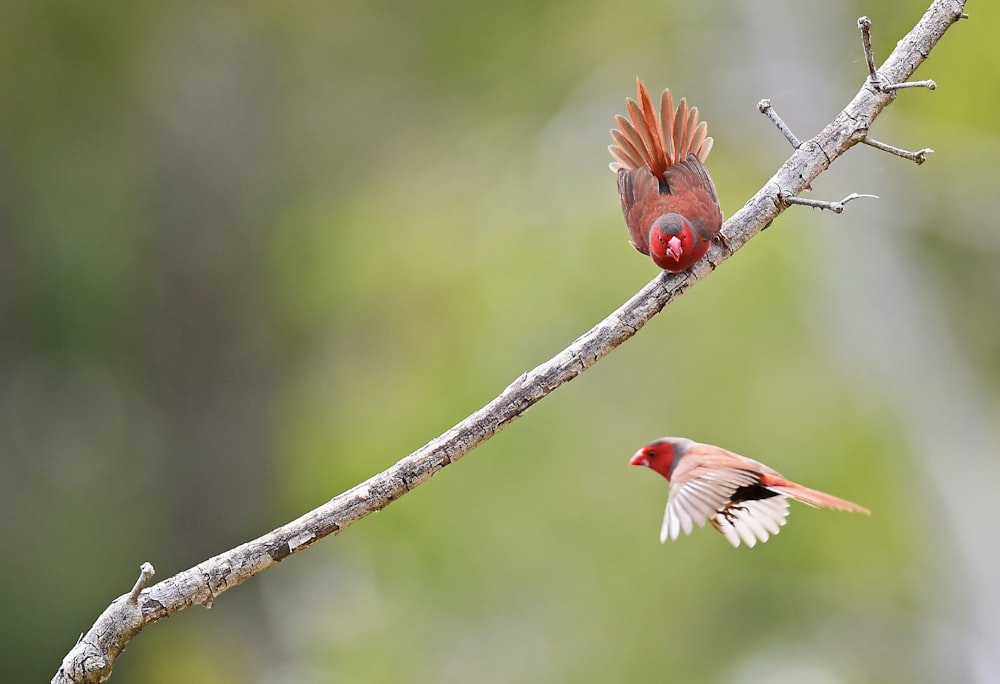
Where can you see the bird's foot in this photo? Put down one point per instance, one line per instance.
(730, 512)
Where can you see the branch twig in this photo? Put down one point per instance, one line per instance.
(865, 24)
(835, 207)
(765, 108)
(891, 86)
(146, 573)
(93, 656)
(919, 157)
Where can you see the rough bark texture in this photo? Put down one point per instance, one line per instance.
(93, 656)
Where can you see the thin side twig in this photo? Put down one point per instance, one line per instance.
(92, 658)
(767, 109)
(865, 24)
(146, 573)
(919, 157)
(836, 207)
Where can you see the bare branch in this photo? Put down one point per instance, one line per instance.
(920, 156)
(880, 84)
(146, 573)
(865, 24)
(92, 658)
(786, 197)
(765, 108)
(835, 207)
(929, 84)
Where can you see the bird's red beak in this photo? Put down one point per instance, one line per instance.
(640, 458)
(674, 248)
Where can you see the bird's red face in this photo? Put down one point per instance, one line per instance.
(672, 243)
(659, 456)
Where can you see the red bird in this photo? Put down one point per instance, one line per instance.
(743, 499)
(667, 196)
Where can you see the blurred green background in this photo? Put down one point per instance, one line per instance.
(253, 253)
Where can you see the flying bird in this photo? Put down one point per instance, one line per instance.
(744, 500)
(666, 194)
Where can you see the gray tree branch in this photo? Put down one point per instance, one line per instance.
(94, 654)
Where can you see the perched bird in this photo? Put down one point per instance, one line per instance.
(743, 499)
(667, 196)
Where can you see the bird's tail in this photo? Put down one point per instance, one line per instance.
(809, 496)
(657, 140)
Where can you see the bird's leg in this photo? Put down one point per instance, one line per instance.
(882, 85)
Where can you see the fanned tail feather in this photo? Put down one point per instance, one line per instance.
(651, 126)
(667, 123)
(657, 140)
